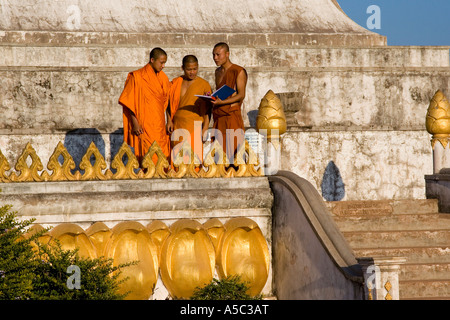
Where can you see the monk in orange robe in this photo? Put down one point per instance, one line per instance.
(144, 100)
(227, 113)
(186, 111)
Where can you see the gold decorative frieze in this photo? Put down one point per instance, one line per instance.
(4, 167)
(186, 254)
(27, 173)
(154, 165)
(61, 171)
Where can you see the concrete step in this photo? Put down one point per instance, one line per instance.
(433, 254)
(363, 208)
(413, 229)
(431, 221)
(388, 239)
(425, 290)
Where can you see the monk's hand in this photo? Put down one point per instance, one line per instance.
(217, 102)
(169, 126)
(137, 130)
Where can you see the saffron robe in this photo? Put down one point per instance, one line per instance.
(146, 95)
(188, 111)
(229, 116)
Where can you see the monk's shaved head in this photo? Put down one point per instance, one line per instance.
(156, 53)
(222, 45)
(189, 59)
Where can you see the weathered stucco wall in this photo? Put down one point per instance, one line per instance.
(60, 79)
(361, 108)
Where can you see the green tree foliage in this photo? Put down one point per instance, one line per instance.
(17, 260)
(230, 288)
(42, 273)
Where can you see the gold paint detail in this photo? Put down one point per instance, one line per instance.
(438, 119)
(271, 116)
(93, 165)
(388, 288)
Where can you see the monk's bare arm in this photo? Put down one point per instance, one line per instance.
(205, 124)
(137, 128)
(169, 124)
(241, 84)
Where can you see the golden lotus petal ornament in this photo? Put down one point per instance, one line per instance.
(43, 239)
(438, 119)
(215, 231)
(130, 241)
(27, 173)
(93, 172)
(72, 236)
(187, 259)
(243, 251)
(159, 232)
(99, 234)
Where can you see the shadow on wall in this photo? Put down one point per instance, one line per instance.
(77, 142)
(333, 187)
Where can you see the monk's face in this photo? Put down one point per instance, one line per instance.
(159, 63)
(190, 70)
(220, 56)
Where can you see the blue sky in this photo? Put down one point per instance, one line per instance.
(405, 22)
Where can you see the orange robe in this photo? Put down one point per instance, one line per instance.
(146, 95)
(229, 116)
(188, 111)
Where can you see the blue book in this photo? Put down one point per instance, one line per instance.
(222, 93)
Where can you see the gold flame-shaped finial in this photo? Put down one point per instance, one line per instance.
(271, 119)
(438, 119)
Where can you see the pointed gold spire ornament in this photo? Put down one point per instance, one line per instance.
(438, 119)
(271, 120)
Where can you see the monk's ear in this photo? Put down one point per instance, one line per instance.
(152, 60)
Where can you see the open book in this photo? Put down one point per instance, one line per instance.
(222, 93)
